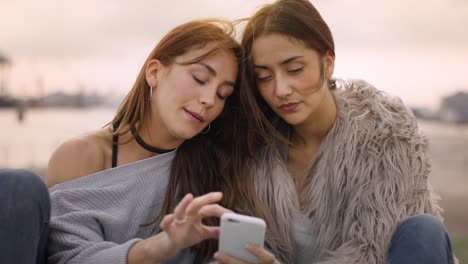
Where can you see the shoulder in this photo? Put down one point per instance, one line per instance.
(362, 95)
(376, 123)
(377, 111)
(79, 157)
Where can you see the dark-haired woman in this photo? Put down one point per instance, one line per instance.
(342, 163)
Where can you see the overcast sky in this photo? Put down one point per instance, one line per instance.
(416, 49)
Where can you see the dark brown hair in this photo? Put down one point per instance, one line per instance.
(207, 162)
(299, 20)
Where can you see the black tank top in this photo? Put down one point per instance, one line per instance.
(115, 145)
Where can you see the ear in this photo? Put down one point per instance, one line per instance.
(329, 60)
(152, 72)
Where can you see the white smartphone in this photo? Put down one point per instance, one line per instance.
(237, 231)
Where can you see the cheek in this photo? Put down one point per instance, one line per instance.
(308, 84)
(265, 92)
(186, 89)
(162, 96)
(166, 100)
(176, 92)
(268, 96)
(216, 111)
(313, 78)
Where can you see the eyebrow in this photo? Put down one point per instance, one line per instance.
(209, 68)
(214, 73)
(286, 61)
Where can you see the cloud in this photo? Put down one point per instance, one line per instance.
(398, 22)
(55, 28)
(88, 27)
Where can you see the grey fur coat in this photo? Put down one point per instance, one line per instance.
(369, 174)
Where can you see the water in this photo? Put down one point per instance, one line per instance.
(29, 144)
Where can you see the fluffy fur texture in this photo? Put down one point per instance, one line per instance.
(370, 174)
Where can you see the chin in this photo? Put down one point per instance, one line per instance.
(293, 120)
(185, 133)
(186, 136)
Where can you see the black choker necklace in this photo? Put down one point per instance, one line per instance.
(146, 146)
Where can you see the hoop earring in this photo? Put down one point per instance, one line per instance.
(151, 92)
(207, 130)
(332, 84)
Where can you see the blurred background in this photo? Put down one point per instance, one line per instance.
(66, 65)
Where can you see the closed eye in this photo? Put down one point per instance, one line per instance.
(296, 70)
(198, 80)
(261, 79)
(222, 97)
(224, 92)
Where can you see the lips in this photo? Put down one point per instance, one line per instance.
(289, 107)
(194, 116)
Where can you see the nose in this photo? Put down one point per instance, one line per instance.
(208, 96)
(282, 87)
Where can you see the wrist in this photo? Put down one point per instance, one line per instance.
(152, 250)
(158, 247)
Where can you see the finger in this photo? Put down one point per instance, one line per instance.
(167, 220)
(263, 255)
(200, 201)
(223, 258)
(210, 232)
(212, 210)
(179, 211)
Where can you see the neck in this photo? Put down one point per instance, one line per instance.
(318, 124)
(159, 138)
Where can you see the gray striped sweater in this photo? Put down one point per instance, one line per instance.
(97, 218)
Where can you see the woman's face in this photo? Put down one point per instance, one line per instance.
(186, 98)
(288, 76)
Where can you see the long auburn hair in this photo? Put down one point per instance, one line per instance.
(207, 162)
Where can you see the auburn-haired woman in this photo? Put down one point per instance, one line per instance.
(137, 190)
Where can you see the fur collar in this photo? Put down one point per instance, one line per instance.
(369, 174)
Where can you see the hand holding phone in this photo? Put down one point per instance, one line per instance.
(237, 231)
